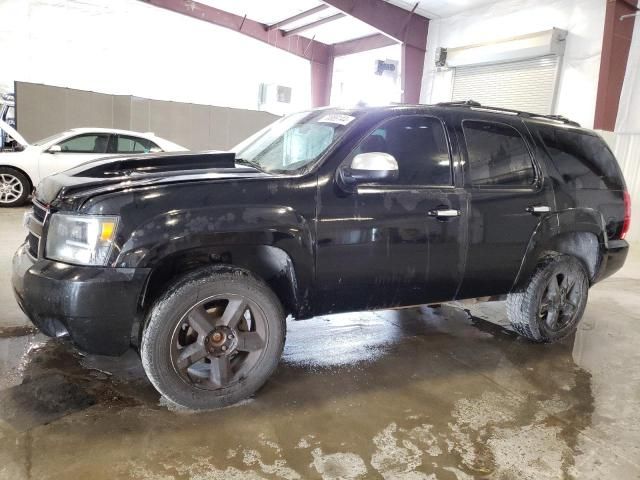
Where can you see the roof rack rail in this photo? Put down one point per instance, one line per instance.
(472, 104)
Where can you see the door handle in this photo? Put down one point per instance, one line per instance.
(444, 213)
(535, 209)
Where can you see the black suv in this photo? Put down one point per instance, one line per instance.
(197, 259)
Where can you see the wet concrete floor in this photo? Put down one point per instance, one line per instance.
(421, 393)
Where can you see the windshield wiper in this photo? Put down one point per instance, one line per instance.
(249, 163)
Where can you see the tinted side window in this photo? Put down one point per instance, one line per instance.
(498, 155)
(88, 143)
(128, 144)
(419, 145)
(582, 160)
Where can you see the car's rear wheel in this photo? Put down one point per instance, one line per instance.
(551, 305)
(213, 339)
(14, 187)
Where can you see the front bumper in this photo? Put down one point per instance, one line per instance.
(613, 259)
(95, 306)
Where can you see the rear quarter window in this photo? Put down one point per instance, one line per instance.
(582, 161)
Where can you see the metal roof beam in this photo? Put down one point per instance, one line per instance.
(297, 17)
(395, 22)
(311, 25)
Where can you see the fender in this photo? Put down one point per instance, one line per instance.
(272, 241)
(561, 229)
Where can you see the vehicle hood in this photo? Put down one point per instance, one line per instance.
(67, 189)
(13, 133)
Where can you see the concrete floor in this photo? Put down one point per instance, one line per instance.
(413, 394)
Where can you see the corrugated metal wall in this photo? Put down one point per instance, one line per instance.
(43, 110)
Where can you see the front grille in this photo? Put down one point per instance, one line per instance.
(33, 243)
(39, 211)
(35, 226)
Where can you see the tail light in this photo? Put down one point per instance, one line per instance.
(627, 215)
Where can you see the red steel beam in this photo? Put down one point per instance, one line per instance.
(321, 76)
(308, 49)
(616, 44)
(363, 44)
(412, 67)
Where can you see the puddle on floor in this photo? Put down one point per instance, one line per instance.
(42, 400)
(420, 393)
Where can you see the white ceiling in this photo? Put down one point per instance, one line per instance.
(440, 8)
(347, 28)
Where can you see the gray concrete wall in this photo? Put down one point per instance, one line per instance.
(43, 110)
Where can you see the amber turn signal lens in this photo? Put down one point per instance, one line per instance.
(106, 232)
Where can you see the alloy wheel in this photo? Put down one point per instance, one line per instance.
(219, 341)
(11, 188)
(560, 301)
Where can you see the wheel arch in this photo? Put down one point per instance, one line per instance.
(577, 232)
(271, 264)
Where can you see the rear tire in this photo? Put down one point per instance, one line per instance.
(551, 305)
(213, 338)
(15, 187)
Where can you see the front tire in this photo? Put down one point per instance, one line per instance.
(213, 339)
(15, 187)
(551, 305)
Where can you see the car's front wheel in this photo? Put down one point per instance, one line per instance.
(14, 187)
(213, 339)
(551, 305)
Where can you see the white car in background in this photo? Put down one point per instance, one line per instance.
(22, 170)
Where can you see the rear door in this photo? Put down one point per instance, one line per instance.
(508, 195)
(128, 144)
(395, 244)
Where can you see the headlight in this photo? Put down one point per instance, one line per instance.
(80, 239)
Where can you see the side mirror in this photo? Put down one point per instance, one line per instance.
(373, 167)
(54, 149)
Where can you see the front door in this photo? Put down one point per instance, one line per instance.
(396, 244)
(508, 197)
(73, 152)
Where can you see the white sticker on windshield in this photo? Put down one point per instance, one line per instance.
(337, 118)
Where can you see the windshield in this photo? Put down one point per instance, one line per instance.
(50, 139)
(293, 142)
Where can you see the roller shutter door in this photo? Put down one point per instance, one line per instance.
(527, 85)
